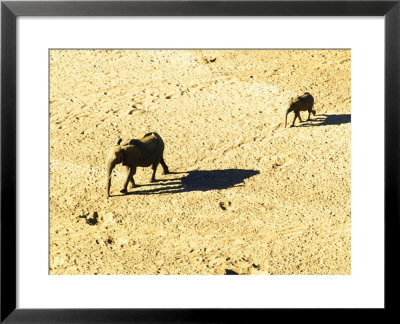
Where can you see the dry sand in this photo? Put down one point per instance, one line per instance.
(247, 195)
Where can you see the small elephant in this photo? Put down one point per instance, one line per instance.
(144, 152)
(304, 102)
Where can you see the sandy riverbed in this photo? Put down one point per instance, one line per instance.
(245, 195)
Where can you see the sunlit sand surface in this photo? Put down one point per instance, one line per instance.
(245, 194)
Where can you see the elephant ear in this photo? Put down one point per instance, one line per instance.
(131, 154)
(124, 155)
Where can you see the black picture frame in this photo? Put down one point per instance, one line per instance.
(10, 10)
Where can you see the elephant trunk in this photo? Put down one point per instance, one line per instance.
(110, 168)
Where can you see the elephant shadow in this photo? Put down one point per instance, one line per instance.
(197, 180)
(324, 120)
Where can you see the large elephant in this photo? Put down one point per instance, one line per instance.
(144, 152)
(304, 102)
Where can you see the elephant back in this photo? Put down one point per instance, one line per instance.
(153, 138)
(149, 145)
(306, 98)
(302, 102)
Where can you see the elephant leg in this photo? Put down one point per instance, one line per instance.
(132, 181)
(132, 171)
(295, 117)
(299, 117)
(154, 167)
(164, 166)
(309, 115)
(133, 184)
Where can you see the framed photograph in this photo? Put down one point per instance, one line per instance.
(186, 161)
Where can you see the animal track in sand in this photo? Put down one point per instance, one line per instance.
(93, 221)
(90, 221)
(230, 272)
(277, 126)
(225, 205)
(135, 110)
(281, 161)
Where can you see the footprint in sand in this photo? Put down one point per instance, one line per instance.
(225, 205)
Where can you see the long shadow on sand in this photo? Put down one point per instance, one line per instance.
(198, 180)
(324, 120)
